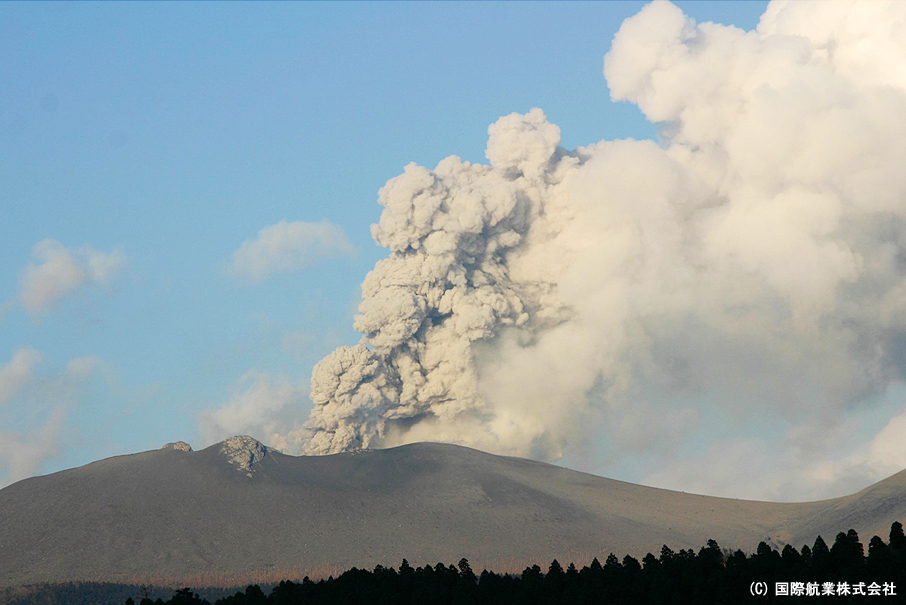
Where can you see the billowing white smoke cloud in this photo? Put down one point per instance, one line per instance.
(755, 259)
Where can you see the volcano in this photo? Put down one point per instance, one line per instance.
(238, 508)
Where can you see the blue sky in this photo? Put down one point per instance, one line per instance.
(161, 136)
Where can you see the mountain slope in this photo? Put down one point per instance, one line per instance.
(238, 508)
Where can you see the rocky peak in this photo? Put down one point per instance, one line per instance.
(243, 453)
(182, 446)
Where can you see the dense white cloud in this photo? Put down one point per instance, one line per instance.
(753, 260)
(286, 247)
(57, 271)
(262, 406)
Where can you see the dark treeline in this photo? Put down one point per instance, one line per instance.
(94, 593)
(712, 575)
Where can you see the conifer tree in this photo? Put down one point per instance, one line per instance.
(631, 564)
(878, 555)
(806, 555)
(465, 570)
(792, 560)
(897, 542)
(847, 553)
(820, 557)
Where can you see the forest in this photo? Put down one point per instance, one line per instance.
(844, 571)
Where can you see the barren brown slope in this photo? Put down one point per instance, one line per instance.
(181, 513)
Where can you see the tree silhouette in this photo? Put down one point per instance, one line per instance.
(631, 564)
(185, 596)
(405, 568)
(667, 554)
(820, 558)
(847, 554)
(897, 539)
(792, 560)
(806, 556)
(465, 570)
(878, 555)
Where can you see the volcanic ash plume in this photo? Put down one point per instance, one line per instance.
(756, 257)
(450, 281)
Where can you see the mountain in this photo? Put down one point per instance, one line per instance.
(237, 509)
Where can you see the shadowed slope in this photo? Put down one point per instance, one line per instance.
(237, 508)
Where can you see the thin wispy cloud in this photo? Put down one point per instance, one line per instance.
(56, 272)
(49, 397)
(17, 372)
(5, 307)
(288, 247)
(23, 453)
(260, 405)
(85, 367)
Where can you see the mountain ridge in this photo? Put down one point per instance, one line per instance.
(238, 506)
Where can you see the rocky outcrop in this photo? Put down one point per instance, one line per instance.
(182, 446)
(243, 453)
